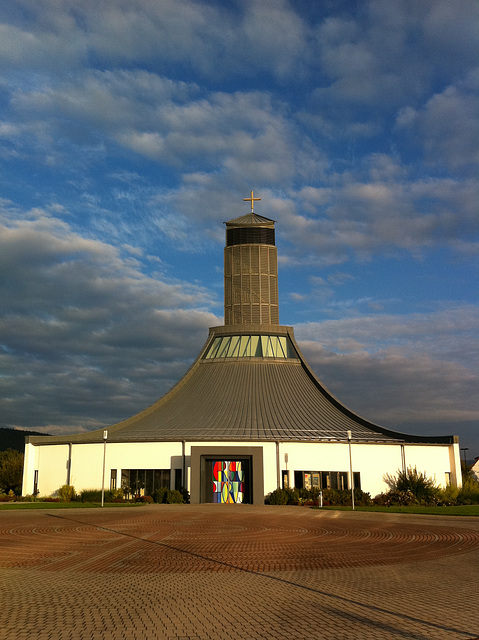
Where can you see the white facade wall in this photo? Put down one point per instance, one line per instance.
(372, 461)
(51, 462)
(86, 465)
(435, 462)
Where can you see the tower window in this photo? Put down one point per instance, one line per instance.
(246, 346)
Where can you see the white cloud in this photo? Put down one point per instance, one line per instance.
(215, 38)
(379, 210)
(450, 334)
(243, 132)
(448, 124)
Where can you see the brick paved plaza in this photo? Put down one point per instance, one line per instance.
(236, 571)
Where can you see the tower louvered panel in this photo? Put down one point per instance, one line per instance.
(251, 285)
(254, 251)
(273, 289)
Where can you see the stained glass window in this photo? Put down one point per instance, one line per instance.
(228, 481)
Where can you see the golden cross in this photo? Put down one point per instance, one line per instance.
(252, 200)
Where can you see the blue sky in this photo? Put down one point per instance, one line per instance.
(130, 130)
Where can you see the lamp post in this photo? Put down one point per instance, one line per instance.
(351, 469)
(105, 436)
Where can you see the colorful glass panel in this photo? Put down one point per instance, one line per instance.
(228, 482)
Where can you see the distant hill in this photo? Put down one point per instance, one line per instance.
(14, 439)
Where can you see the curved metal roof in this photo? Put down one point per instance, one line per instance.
(246, 399)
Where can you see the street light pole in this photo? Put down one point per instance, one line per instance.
(464, 449)
(105, 436)
(351, 469)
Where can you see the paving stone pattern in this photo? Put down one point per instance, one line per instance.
(202, 572)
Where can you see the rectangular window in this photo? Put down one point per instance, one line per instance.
(448, 478)
(144, 482)
(338, 480)
(178, 483)
(357, 479)
(35, 482)
(298, 479)
(307, 480)
(113, 480)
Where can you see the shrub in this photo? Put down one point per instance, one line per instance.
(396, 499)
(412, 481)
(90, 495)
(163, 495)
(66, 493)
(160, 494)
(448, 496)
(11, 471)
(174, 497)
(278, 496)
(311, 497)
(145, 499)
(115, 495)
(469, 494)
(186, 495)
(94, 495)
(283, 496)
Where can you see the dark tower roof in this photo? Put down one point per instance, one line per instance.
(250, 220)
(250, 381)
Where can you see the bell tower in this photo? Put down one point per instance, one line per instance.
(251, 270)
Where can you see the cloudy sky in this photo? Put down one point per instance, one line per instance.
(130, 130)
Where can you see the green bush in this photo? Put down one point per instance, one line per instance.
(278, 496)
(163, 495)
(94, 495)
(283, 496)
(160, 494)
(469, 494)
(11, 471)
(312, 497)
(423, 489)
(334, 497)
(396, 499)
(66, 493)
(174, 497)
(448, 495)
(91, 495)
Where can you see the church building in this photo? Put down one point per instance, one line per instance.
(249, 415)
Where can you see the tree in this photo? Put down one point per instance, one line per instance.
(11, 471)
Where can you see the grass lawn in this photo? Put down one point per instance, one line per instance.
(4, 506)
(460, 510)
